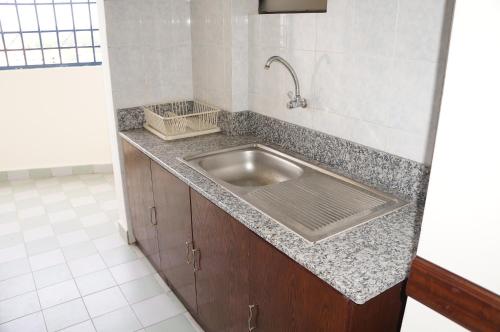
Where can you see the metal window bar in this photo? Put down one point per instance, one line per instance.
(39, 33)
(91, 32)
(92, 29)
(4, 45)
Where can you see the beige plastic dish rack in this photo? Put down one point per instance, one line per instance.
(181, 119)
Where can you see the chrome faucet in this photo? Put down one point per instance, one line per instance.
(295, 100)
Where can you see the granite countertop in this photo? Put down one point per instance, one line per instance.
(360, 263)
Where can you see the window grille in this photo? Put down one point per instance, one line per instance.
(48, 33)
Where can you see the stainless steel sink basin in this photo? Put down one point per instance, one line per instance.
(251, 167)
(313, 202)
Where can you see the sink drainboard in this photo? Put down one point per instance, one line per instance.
(317, 206)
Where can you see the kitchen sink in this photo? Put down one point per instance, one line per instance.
(308, 199)
(249, 167)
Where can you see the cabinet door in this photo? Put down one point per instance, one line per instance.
(173, 214)
(222, 275)
(288, 297)
(140, 201)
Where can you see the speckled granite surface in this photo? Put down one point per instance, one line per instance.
(384, 171)
(360, 263)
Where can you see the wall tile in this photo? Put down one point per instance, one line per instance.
(420, 28)
(358, 68)
(374, 27)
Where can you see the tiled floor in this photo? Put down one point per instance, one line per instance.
(63, 266)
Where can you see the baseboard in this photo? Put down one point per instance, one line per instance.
(41, 173)
(124, 234)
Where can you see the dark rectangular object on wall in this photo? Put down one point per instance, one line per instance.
(292, 6)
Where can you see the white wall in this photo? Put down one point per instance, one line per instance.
(220, 53)
(462, 217)
(371, 70)
(149, 46)
(53, 117)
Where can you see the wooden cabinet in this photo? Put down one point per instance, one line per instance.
(287, 297)
(228, 277)
(141, 201)
(173, 215)
(222, 269)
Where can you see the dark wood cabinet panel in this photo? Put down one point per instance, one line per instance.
(222, 278)
(383, 313)
(454, 297)
(140, 201)
(289, 298)
(173, 215)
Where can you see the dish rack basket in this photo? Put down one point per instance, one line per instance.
(181, 119)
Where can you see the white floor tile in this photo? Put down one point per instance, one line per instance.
(64, 215)
(60, 269)
(8, 228)
(16, 286)
(53, 197)
(30, 323)
(42, 245)
(86, 265)
(109, 205)
(79, 250)
(94, 219)
(87, 210)
(34, 222)
(162, 283)
(105, 301)
(178, 323)
(58, 293)
(10, 240)
(131, 270)
(18, 306)
(141, 289)
(122, 320)
(51, 275)
(56, 207)
(28, 203)
(99, 188)
(14, 268)
(73, 184)
(31, 212)
(119, 255)
(157, 309)
(50, 258)
(193, 323)
(65, 315)
(8, 217)
(80, 201)
(25, 194)
(38, 233)
(7, 207)
(101, 230)
(67, 226)
(95, 282)
(86, 326)
(12, 253)
(109, 242)
(72, 238)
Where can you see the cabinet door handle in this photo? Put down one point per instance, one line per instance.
(152, 215)
(196, 259)
(189, 252)
(253, 311)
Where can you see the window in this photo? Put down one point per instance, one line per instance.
(48, 33)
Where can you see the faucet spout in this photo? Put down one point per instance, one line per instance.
(297, 100)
